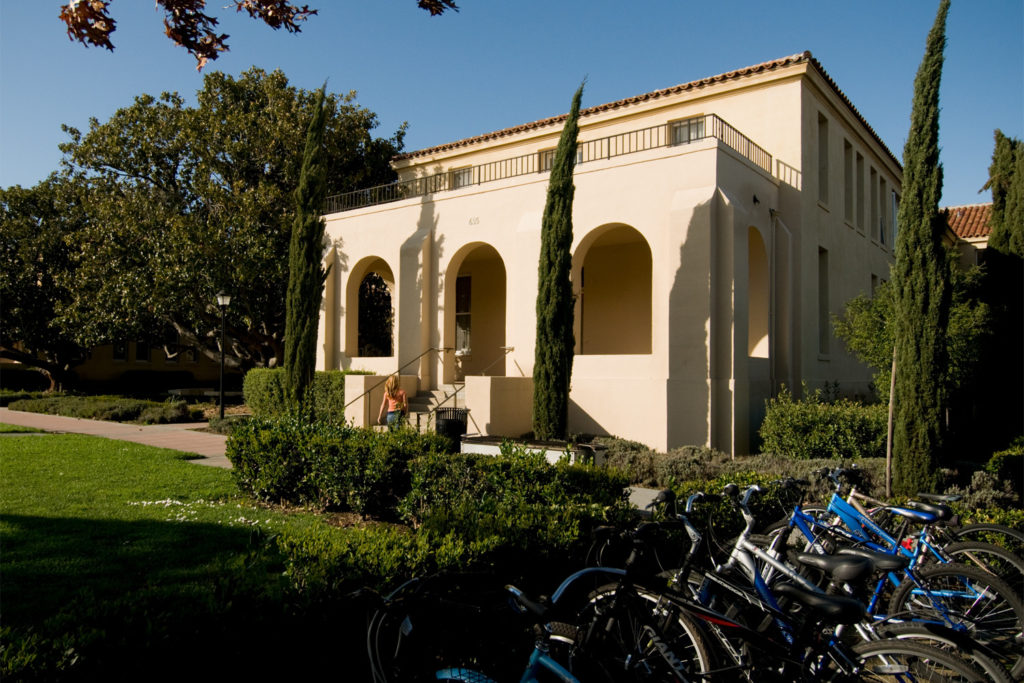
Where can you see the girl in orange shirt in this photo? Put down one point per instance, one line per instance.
(395, 402)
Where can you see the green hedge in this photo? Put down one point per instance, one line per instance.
(516, 500)
(263, 389)
(113, 408)
(325, 464)
(812, 428)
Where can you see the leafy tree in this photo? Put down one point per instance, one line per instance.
(552, 368)
(921, 282)
(35, 225)
(187, 24)
(186, 201)
(305, 270)
(868, 328)
(1006, 180)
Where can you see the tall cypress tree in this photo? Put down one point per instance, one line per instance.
(552, 367)
(305, 272)
(1006, 180)
(921, 280)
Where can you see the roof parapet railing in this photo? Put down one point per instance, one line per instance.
(670, 134)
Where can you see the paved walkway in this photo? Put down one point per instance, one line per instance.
(180, 437)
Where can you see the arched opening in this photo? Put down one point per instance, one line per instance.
(474, 320)
(759, 295)
(612, 282)
(371, 314)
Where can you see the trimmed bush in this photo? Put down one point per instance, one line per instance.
(325, 464)
(1008, 467)
(263, 389)
(113, 408)
(811, 428)
(517, 503)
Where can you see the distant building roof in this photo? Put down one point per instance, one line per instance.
(803, 57)
(971, 221)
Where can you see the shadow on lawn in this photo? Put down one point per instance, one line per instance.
(86, 599)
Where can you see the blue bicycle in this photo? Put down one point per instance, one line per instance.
(967, 599)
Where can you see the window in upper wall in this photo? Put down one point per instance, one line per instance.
(142, 352)
(859, 177)
(824, 329)
(874, 284)
(848, 184)
(120, 350)
(873, 216)
(686, 130)
(546, 160)
(883, 193)
(822, 159)
(895, 211)
(462, 177)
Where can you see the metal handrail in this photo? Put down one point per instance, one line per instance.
(696, 127)
(397, 372)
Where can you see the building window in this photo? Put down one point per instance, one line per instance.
(874, 284)
(883, 192)
(824, 331)
(822, 159)
(120, 350)
(463, 307)
(873, 216)
(895, 208)
(859, 178)
(462, 177)
(848, 184)
(686, 130)
(546, 160)
(142, 352)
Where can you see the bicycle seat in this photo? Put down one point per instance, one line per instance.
(940, 497)
(943, 513)
(835, 609)
(849, 568)
(882, 562)
(919, 516)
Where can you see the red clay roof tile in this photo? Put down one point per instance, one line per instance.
(969, 221)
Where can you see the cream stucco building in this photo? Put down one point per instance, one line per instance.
(718, 225)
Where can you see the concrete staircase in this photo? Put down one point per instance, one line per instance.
(422, 405)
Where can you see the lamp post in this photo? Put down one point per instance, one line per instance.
(223, 300)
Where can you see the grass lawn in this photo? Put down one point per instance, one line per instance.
(125, 559)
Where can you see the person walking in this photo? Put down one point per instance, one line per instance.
(395, 402)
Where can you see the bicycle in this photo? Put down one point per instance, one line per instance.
(964, 598)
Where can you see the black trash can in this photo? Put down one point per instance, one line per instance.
(451, 422)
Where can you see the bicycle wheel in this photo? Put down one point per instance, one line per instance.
(967, 598)
(998, 534)
(999, 561)
(899, 660)
(646, 637)
(952, 642)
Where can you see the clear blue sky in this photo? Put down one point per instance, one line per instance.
(499, 63)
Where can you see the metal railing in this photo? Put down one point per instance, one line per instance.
(397, 372)
(670, 134)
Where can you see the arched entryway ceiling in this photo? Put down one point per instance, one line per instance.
(474, 312)
(370, 332)
(612, 283)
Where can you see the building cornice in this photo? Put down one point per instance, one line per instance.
(738, 74)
